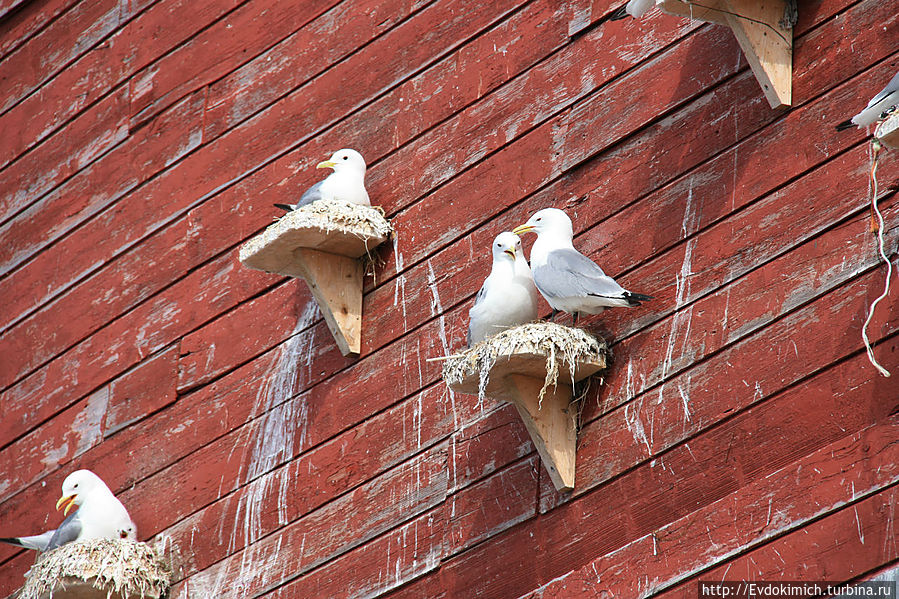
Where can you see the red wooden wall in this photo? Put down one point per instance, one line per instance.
(741, 432)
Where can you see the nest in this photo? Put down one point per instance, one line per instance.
(556, 349)
(98, 568)
(330, 215)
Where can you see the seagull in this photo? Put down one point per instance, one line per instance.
(878, 108)
(346, 183)
(508, 297)
(99, 515)
(634, 8)
(568, 280)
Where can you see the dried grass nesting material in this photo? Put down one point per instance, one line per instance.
(328, 215)
(121, 568)
(563, 347)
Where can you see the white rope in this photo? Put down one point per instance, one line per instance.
(880, 246)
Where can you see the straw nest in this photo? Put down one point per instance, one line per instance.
(565, 351)
(329, 215)
(116, 568)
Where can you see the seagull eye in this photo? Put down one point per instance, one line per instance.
(76, 486)
(346, 157)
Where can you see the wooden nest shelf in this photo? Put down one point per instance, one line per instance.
(324, 243)
(98, 569)
(764, 30)
(887, 132)
(535, 366)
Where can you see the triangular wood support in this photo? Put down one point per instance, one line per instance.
(551, 423)
(763, 32)
(336, 284)
(328, 255)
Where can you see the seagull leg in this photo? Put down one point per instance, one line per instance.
(552, 317)
(573, 318)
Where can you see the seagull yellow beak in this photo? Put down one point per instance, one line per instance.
(510, 252)
(69, 501)
(523, 229)
(326, 164)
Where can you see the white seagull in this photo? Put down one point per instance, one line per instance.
(345, 184)
(568, 280)
(878, 108)
(508, 297)
(99, 515)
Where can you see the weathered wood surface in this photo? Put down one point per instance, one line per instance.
(141, 148)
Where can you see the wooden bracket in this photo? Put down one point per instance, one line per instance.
(328, 258)
(762, 31)
(887, 132)
(551, 422)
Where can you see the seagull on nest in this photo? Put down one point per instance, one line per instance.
(99, 515)
(346, 183)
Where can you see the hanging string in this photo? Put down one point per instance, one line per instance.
(876, 225)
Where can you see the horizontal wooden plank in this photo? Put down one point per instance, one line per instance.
(730, 381)
(70, 434)
(215, 51)
(370, 510)
(53, 162)
(755, 514)
(125, 342)
(842, 546)
(310, 481)
(485, 509)
(797, 212)
(81, 197)
(145, 36)
(149, 387)
(525, 36)
(386, 563)
(16, 27)
(64, 40)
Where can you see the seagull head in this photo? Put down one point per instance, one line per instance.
(506, 246)
(78, 486)
(550, 221)
(345, 161)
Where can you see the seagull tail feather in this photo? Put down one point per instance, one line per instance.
(619, 14)
(12, 541)
(285, 207)
(845, 125)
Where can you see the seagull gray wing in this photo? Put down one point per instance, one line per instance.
(312, 194)
(568, 273)
(67, 532)
(477, 300)
(892, 86)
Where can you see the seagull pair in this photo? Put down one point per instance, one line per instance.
(346, 183)
(568, 280)
(98, 515)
